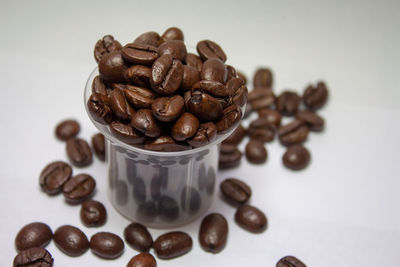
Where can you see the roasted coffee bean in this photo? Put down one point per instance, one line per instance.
(263, 102)
(206, 133)
(33, 257)
(32, 235)
(296, 157)
(230, 118)
(120, 106)
(175, 48)
(78, 188)
(112, 67)
(213, 88)
(190, 199)
(126, 133)
(79, 152)
(315, 97)
(165, 143)
(288, 103)
(167, 109)
(258, 93)
(238, 90)
(53, 177)
(166, 75)
(213, 233)
(148, 38)
(203, 106)
(242, 76)
(231, 72)
(251, 218)
(247, 112)
(71, 241)
(172, 33)
(142, 260)
(293, 133)
(208, 49)
(229, 156)
(168, 208)
(235, 190)
(139, 54)
(256, 153)
(104, 46)
(106, 245)
(98, 86)
(194, 61)
(93, 213)
(67, 129)
(138, 237)
(139, 97)
(214, 70)
(263, 78)
(138, 75)
(190, 76)
(290, 261)
(236, 137)
(144, 122)
(172, 244)
(261, 129)
(98, 107)
(314, 122)
(185, 127)
(99, 146)
(271, 115)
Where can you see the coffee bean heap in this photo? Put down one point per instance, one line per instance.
(155, 95)
(270, 109)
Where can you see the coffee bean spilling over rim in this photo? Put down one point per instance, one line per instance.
(154, 94)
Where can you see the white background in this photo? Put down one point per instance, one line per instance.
(343, 210)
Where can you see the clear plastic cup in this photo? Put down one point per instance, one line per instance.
(158, 189)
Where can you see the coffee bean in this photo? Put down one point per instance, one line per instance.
(290, 261)
(99, 146)
(104, 46)
(139, 97)
(71, 241)
(148, 38)
(247, 112)
(213, 88)
(194, 61)
(235, 190)
(208, 49)
(98, 107)
(78, 188)
(190, 76)
(315, 97)
(126, 133)
(258, 93)
(33, 235)
(256, 153)
(288, 103)
(33, 257)
(238, 90)
(167, 109)
(98, 86)
(213, 233)
(165, 143)
(251, 219)
(293, 133)
(314, 122)
(214, 70)
(175, 48)
(296, 157)
(112, 67)
(138, 75)
(204, 106)
(261, 129)
(166, 75)
(106, 245)
(230, 118)
(229, 156)
(263, 78)
(231, 72)
(271, 115)
(172, 33)
(168, 208)
(67, 129)
(138, 237)
(172, 244)
(263, 102)
(120, 106)
(206, 133)
(79, 152)
(93, 213)
(236, 137)
(190, 199)
(144, 122)
(185, 127)
(53, 177)
(142, 260)
(139, 54)
(242, 76)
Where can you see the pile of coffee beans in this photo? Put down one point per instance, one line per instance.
(267, 125)
(155, 95)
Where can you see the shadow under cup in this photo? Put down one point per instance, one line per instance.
(158, 189)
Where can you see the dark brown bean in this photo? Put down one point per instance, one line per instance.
(190, 76)
(258, 93)
(206, 133)
(229, 156)
(314, 122)
(166, 75)
(139, 97)
(296, 157)
(71, 241)
(290, 261)
(78, 188)
(261, 129)
(167, 109)
(138, 75)
(104, 46)
(271, 115)
(142, 260)
(230, 118)
(293, 133)
(236, 137)
(231, 73)
(214, 70)
(256, 153)
(112, 67)
(213, 88)
(93, 213)
(106, 245)
(315, 97)
(99, 108)
(235, 190)
(144, 122)
(139, 54)
(203, 106)
(53, 177)
(238, 90)
(194, 61)
(172, 244)
(67, 129)
(185, 127)
(242, 76)
(148, 38)
(175, 48)
(213, 233)
(35, 234)
(263, 102)
(99, 146)
(126, 133)
(138, 237)
(251, 219)
(120, 106)
(208, 49)
(33, 257)
(172, 33)
(98, 86)
(165, 143)
(263, 78)
(79, 152)
(288, 103)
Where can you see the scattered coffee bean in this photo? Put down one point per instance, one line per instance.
(229, 156)
(271, 115)
(105, 46)
(263, 78)
(33, 235)
(79, 188)
(235, 190)
(142, 260)
(79, 152)
(71, 241)
(93, 213)
(292, 133)
(138, 237)
(256, 153)
(251, 219)
(33, 257)
(99, 146)
(106, 245)
(288, 103)
(261, 129)
(290, 261)
(315, 97)
(54, 176)
(236, 137)
(296, 157)
(172, 244)
(67, 129)
(314, 122)
(213, 233)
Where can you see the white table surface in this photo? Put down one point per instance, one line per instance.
(343, 210)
